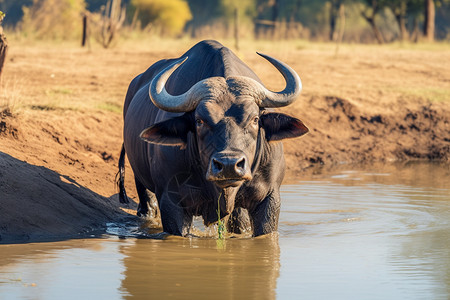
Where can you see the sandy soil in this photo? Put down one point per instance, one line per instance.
(61, 122)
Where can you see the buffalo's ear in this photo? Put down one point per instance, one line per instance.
(280, 126)
(172, 132)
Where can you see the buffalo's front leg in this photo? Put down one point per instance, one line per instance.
(175, 220)
(264, 216)
(239, 221)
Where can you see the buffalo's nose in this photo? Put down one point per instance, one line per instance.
(225, 166)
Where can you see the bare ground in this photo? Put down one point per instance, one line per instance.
(61, 122)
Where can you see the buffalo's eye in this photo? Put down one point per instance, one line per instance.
(199, 122)
(255, 121)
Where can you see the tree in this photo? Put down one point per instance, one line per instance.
(236, 12)
(404, 10)
(442, 21)
(110, 22)
(267, 17)
(334, 14)
(204, 13)
(60, 19)
(169, 15)
(369, 13)
(399, 9)
(428, 28)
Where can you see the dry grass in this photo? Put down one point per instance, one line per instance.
(65, 76)
(10, 94)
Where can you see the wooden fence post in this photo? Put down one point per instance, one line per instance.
(85, 30)
(3, 46)
(236, 29)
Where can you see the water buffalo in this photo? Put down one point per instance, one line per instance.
(198, 136)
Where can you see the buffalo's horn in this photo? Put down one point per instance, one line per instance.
(290, 92)
(163, 100)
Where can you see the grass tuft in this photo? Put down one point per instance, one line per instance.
(10, 95)
(221, 230)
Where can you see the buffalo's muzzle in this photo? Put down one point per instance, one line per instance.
(228, 169)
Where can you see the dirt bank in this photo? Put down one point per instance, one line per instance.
(61, 123)
(40, 204)
(344, 132)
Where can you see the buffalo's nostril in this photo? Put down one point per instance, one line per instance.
(241, 163)
(217, 165)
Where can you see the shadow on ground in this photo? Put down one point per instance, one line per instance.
(38, 204)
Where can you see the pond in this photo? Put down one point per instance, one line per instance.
(378, 232)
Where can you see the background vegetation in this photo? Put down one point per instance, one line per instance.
(366, 21)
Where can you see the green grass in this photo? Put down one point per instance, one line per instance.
(221, 229)
(111, 107)
(433, 94)
(58, 91)
(435, 46)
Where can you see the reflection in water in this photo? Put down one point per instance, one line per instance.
(433, 175)
(74, 269)
(177, 267)
(378, 233)
(424, 258)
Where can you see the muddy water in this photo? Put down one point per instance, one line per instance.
(381, 232)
